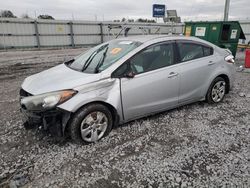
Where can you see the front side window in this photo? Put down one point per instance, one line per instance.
(121, 71)
(152, 58)
(191, 51)
(102, 56)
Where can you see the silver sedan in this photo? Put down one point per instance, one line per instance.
(125, 79)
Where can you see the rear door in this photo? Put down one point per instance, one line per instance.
(155, 84)
(196, 64)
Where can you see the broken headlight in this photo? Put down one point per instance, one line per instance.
(46, 101)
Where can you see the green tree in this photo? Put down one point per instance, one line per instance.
(145, 20)
(45, 16)
(7, 14)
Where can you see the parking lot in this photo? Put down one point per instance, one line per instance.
(198, 145)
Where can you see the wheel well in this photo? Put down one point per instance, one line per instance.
(113, 111)
(225, 77)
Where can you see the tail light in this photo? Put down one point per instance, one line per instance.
(229, 58)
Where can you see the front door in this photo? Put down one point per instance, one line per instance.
(155, 84)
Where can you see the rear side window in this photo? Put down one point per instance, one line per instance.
(207, 51)
(190, 51)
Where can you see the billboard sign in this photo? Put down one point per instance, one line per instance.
(158, 10)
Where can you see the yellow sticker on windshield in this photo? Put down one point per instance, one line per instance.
(115, 51)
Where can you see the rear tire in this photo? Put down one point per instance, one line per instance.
(216, 91)
(90, 124)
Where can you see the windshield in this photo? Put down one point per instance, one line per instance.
(102, 56)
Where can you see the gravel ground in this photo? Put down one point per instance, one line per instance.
(198, 145)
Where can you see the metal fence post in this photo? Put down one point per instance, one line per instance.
(101, 32)
(37, 34)
(72, 34)
(4, 45)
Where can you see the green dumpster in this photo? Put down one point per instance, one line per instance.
(225, 34)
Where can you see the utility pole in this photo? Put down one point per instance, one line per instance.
(226, 10)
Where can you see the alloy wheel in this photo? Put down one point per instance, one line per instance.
(218, 91)
(94, 126)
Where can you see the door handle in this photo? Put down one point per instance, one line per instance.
(211, 63)
(172, 74)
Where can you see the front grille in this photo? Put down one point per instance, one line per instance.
(24, 93)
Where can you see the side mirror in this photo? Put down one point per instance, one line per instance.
(69, 62)
(129, 74)
(124, 71)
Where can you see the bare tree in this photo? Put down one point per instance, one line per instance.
(25, 16)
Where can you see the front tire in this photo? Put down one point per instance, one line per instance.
(91, 123)
(216, 91)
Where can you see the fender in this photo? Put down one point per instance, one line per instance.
(109, 94)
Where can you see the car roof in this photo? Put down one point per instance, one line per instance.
(144, 38)
(148, 38)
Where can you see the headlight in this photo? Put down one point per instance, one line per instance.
(47, 100)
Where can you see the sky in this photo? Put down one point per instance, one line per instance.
(130, 9)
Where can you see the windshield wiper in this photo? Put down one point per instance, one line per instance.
(100, 63)
(91, 57)
(69, 62)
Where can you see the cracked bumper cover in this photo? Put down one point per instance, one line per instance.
(54, 120)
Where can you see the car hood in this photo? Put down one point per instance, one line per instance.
(57, 78)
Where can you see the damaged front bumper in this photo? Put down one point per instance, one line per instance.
(54, 120)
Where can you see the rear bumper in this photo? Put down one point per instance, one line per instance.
(53, 120)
